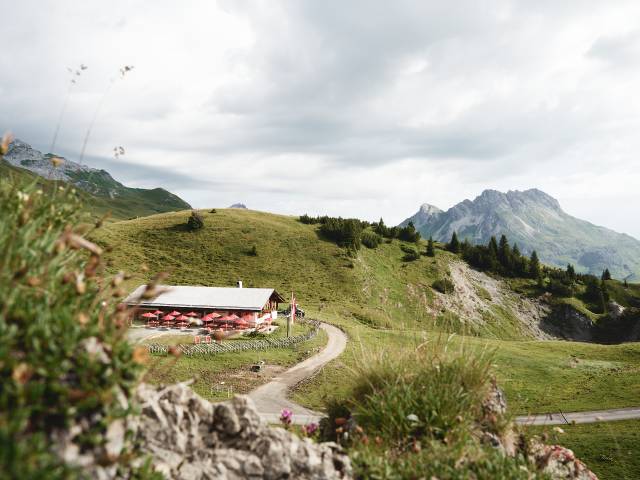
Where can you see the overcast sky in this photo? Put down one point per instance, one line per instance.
(353, 108)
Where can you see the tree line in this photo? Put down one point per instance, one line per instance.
(501, 258)
(352, 233)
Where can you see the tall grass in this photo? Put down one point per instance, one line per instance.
(422, 412)
(66, 370)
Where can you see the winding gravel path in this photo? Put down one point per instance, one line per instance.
(271, 397)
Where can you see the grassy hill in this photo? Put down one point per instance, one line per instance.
(379, 299)
(129, 203)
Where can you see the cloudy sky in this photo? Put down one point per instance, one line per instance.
(355, 108)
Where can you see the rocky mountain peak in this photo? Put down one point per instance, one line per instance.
(428, 209)
(535, 221)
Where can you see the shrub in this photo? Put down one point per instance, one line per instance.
(443, 285)
(213, 210)
(64, 361)
(410, 253)
(371, 239)
(346, 232)
(253, 251)
(418, 412)
(195, 221)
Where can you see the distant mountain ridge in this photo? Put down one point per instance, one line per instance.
(535, 221)
(126, 201)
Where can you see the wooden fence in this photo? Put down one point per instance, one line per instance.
(237, 346)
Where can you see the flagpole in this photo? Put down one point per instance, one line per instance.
(292, 312)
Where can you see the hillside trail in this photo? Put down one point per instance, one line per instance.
(271, 398)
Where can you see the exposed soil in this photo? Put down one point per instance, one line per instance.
(476, 295)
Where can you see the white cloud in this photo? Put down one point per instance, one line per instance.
(361, 108)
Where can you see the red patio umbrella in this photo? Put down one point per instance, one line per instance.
(168, 318)
(191, 314)
(148, 315)
(182, 318)
(233, 316)
(175, 313)
(158, 312)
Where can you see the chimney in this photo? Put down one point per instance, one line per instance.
(239, 283)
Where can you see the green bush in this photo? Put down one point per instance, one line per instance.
(371, 239)
(410, 253)
(64, 360)
(443, 285)
(195, 221)
(417, 414)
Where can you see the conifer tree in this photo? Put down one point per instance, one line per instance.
(626, 285)
(504, 254)
(534, 265)
(571, 272)
(454, 244)
(430, 250)
(606, 274)
(516, 251)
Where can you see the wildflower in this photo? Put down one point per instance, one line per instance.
(310, 429)
(22, 373)
(23, 197)
(285, 417)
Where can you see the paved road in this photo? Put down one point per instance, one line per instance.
(581, 417)
(271, 397)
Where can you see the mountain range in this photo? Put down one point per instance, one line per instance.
(535, 221)
(104, 192)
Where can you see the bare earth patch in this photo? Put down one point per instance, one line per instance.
(477, 295)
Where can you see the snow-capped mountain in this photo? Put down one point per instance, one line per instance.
(535, 221)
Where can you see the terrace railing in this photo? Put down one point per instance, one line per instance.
(236, 346)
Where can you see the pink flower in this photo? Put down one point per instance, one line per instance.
(285, 416)
(310, 429)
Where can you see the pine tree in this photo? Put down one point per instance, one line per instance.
(430, 250)
(516, 251)
(606, 274)
(454, 244)
(504, 254)
(605, 290)
(626, 285)
(571, 273)
(534, 265)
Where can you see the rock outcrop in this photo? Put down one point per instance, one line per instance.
(191, 438)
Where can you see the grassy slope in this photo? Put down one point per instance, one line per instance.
(377, 298)
(609, 449)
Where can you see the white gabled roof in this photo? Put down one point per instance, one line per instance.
(223, 298)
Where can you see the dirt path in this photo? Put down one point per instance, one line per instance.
(271, 397)
(581, 417)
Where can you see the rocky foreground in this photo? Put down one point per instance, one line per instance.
(188, 438)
